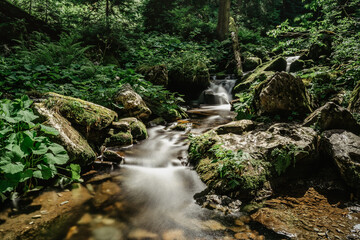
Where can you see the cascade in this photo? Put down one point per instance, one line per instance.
(219, 91)
(289, 61)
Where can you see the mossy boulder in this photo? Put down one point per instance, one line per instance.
(344, 149)
(86, 115)
(136, 127)
(332, 116)
(281, 94)
(130, 104)
(118, 138)
(157, 74)
(250, 63)
(297, 65)
(75, 144)
(354, 105)
(242, 163)
(261, 73)
(125, 131)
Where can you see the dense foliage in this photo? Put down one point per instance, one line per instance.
(28, 155)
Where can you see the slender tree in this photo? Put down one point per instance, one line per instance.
(222, 28)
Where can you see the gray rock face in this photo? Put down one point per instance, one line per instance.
(332, 116)
(282, 93)
(344, 149)
(133, 104)
(77, 147)
(236, 127)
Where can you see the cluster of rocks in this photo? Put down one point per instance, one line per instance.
(89, 131)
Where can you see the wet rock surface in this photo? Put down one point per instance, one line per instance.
(343, 148)
(308, 217)
(47, 217)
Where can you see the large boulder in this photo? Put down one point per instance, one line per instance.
(157, 74)
(83, 114)
(250, 63)
(248, 162)
(354, 105)
(75, 144)
(332, 116)
(131, 104)
(281, 94)
(261, 73)
(344, 149)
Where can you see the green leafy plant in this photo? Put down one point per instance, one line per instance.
(243, 105)
(27, 155)
(284, 156)
(231, 164)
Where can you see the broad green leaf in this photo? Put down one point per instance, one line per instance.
(44, 172)
(26, 116)
(49, 130)
(6, 186)
(25, 175)
(75, 171)
(12, 168)
(39, 149)
(60, 158)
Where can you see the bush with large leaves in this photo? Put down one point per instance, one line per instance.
(27, 155)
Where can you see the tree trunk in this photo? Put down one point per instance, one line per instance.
(236, 47)
(222, 28)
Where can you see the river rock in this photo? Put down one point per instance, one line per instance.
(81, 113)
(117, 138)
(105, 193)
(344, 149)
(297, 65)
(107, 233)
(131, 104)
(332, 116)
(250, 63)
(260, 160)
(75, 144)
(281, 94)
(308, 217)
(354, 105)
(236, 127)
(137, 128)
(157, 74)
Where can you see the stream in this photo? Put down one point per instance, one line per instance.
(156, 200)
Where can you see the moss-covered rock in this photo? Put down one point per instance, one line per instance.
(131, 104)
(75, 144)
(137, 128)
(118, 139)
(82, 113)
(250, 63)
(281, 94)
(261, 73)
(241, 163)
(157, 74)
(354, 105)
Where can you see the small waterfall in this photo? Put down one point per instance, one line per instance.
(219, 92)
(289, 61)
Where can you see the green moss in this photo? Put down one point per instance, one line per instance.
(81, 112)
(119, 139)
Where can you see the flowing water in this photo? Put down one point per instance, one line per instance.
(289, 61)
(156, 200)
